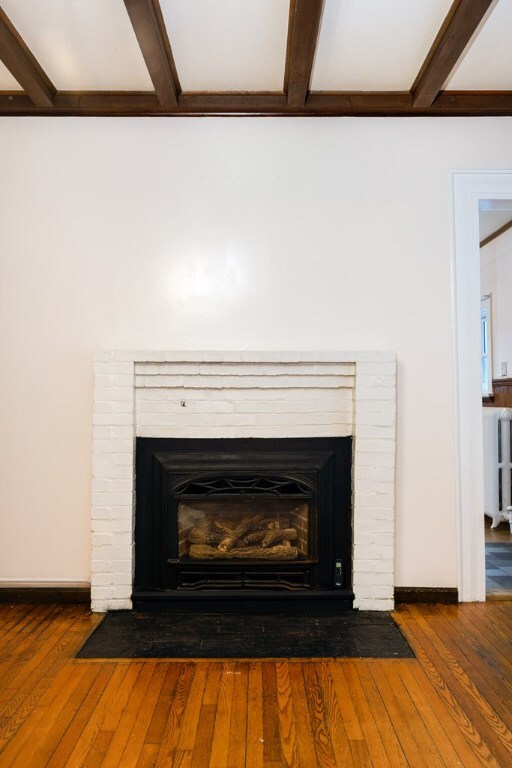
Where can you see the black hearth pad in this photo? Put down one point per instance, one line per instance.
(354, 634)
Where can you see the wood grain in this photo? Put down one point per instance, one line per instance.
(449, 706)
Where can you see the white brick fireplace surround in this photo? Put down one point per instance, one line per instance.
(247, 394)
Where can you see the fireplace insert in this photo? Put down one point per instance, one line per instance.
(243, 524)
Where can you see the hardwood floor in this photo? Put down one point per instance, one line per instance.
(451, 706)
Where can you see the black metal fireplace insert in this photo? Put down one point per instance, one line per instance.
(243, 524)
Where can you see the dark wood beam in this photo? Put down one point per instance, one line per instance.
(358, 102)
(233, 103)
(473, 103)
(23, 66)
(149, 27)
(303, 29)
(318, 104)
(462, 21)
(496, 234)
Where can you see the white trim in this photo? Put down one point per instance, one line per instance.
(468, 189)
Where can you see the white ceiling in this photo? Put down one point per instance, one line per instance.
(81, 44)
(228, 45)
(241, 44)
(375, 45)
(487, 64)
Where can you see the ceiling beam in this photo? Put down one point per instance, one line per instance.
(496, 234)
(303, 29)
(318, 104)
(458, 28)
(149, 27)
(23, 66)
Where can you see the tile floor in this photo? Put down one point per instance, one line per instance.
(498, 566)
(498, 559)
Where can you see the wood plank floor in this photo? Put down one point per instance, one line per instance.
(451, 706)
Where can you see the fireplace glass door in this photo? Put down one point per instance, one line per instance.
(249, 524)
(223, 522)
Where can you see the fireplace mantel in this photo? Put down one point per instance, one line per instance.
(243, 394)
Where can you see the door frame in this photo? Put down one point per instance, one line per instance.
(468, 189)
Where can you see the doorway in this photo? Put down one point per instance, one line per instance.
(495, 236)
(469, 189)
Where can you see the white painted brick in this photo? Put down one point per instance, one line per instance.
(100, 513)
(253, 431)
(374, 473)
(122, 553)
(113, 406)
(374, 446)
(367, 538)
(124, 380)
(111, 486)
(373, 499)
(375, 592)
(122, 592)
(378, 369)
(102, 593)
(376, 421)
(372, 487)
(111, 499)
(104, 380)
(241, 368)
(373, 579)
(123, 540)
(123, 512)
(98, 565)
(103, 580)
(367, 604)
(102, 525)
(106, 472)
(112, 459)
(373, 552)
(122, 566)
(370, 406)
(122, 579)
(384, 566)
(384, 514)
(375, 432)
(362, 459)
(335, 406)
(113, 394)
(113, 419)
(375, 380)
(375, 393)
(236, 420)
(125, 445)
(378, 356)
(373, 526)
(366, 566)
(301, 395)
(110, 368)
(101, 355)
(121, 524)
(102, 606)
(113, 432)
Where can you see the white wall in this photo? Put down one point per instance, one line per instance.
(496, 279)
(218, 233)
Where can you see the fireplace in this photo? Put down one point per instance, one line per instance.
(233, 395)
(252, 524)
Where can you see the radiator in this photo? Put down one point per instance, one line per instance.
(497, 465)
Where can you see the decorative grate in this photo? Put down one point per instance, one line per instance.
(243, 485)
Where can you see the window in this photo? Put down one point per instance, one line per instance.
(486, 342)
